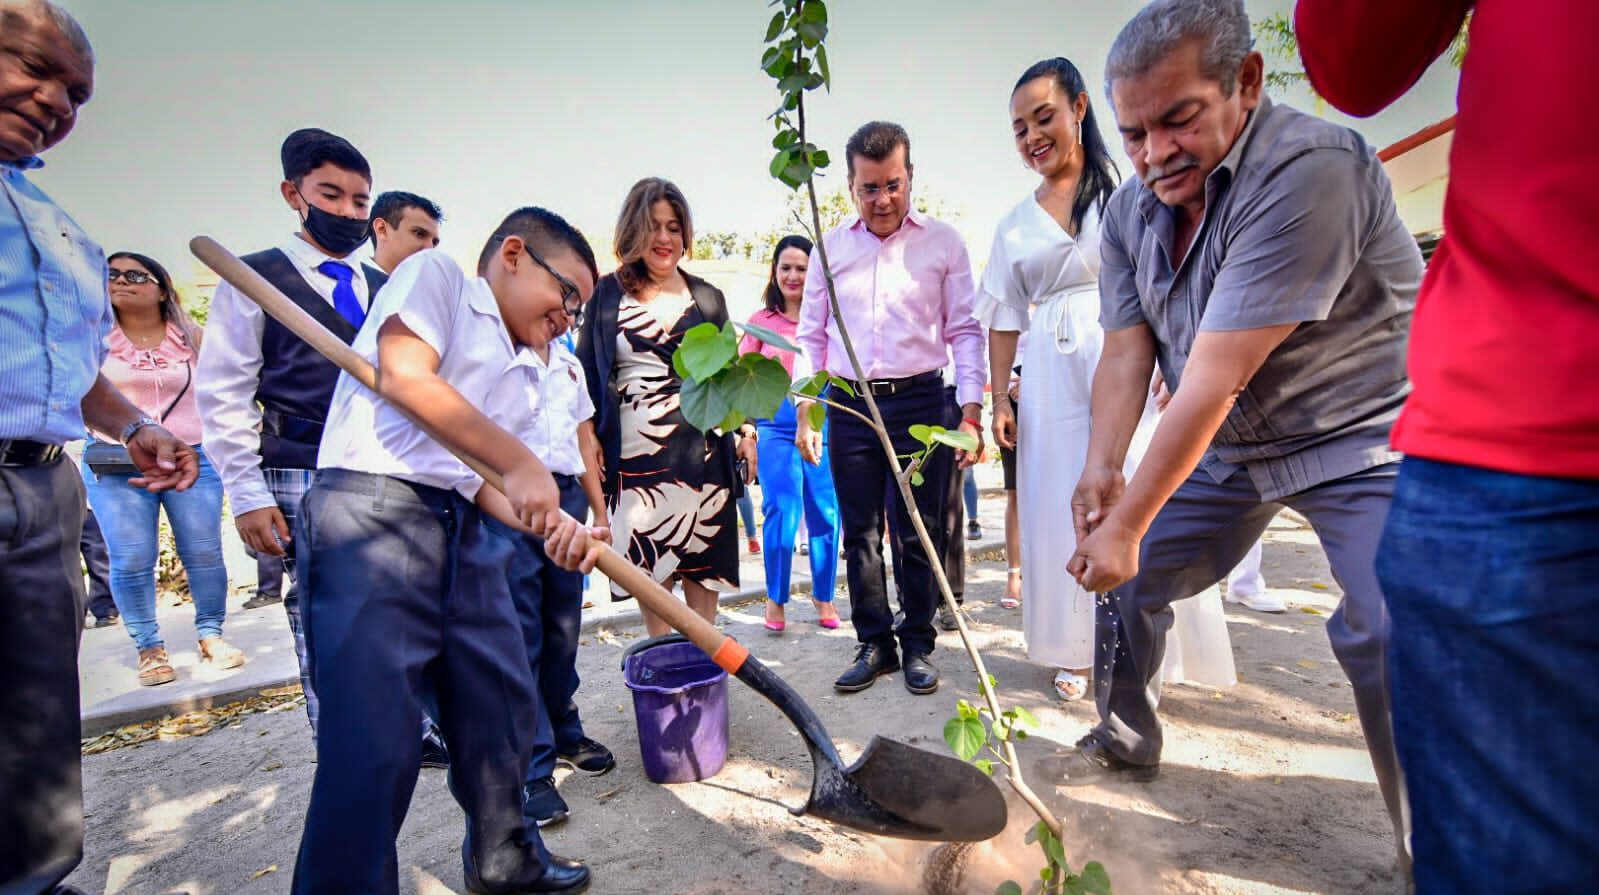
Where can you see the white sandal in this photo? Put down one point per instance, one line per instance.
(1007, 601)
(1070, 686)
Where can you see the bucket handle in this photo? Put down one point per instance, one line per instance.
(651, 643)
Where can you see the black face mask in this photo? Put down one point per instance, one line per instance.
(336, 233)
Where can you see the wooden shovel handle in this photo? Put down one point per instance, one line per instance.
(726, 651)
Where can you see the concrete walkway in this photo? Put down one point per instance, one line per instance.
(112, 697)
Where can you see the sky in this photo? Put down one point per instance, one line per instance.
(486, 106)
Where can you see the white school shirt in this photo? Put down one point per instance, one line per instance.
(228, 374)
(564, 402)
(459, 318)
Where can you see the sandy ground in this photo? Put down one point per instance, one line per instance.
(1265, 787)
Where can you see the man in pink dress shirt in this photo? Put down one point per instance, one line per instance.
(906, 294)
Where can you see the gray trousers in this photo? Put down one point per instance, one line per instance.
(1200, 535)
(41, 600)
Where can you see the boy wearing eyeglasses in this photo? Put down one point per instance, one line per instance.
(405, 588)
(263, 392)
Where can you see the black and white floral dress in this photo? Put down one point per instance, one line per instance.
(674, 511)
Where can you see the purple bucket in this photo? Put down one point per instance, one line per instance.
(680, 703)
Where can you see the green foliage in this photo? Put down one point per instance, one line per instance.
(769, 336)
(720, 388)
(795, 58)
(705, 350)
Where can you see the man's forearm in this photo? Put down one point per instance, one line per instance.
(106, 411)
(1120, 391)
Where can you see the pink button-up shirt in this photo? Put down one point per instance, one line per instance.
(907, 300)
(777, 323)
(153, 379)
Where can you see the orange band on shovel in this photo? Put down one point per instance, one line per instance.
(730, 656)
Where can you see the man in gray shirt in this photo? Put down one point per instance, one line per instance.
(1259, 259)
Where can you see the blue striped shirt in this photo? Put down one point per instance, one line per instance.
(55, 313)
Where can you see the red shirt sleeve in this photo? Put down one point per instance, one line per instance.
(1364, 54)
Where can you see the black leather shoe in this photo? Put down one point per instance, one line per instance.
(871, 660)
(921, 677)
(1092, 762)
(587, 757)
(104, 621)
(542, 803)
(434, 753)
(562, 876)
(259, 600)
(946, 619)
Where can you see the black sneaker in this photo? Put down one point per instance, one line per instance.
(542, 803)
(434, 753)
(587, 757)
(974, 531)
(103, 621)
(259, 600)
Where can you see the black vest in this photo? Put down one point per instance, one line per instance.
(296, 384)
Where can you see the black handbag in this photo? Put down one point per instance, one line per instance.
(105, 458)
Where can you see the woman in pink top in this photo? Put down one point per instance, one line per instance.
(152, 359)
(792, 489)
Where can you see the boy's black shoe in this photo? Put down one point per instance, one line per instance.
(587, 757)
(542, 803)
(434, 753)
(259, 600)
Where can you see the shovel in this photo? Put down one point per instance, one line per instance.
(891, 790)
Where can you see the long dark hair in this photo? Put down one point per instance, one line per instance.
(774, 294)
(171, 308)
(1100, 174)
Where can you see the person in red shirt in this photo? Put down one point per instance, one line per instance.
(1493, 665)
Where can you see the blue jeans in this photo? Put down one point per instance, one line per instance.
(790, 487)
(969, 491)
(1492, 582)
(130, 518)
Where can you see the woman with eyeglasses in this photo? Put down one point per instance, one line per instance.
(154, 346)
(793, 493)
(672, 489)
(1042, 279)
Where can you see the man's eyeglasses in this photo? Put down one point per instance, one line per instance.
(131, 277)
(892, 190)
(571, 298)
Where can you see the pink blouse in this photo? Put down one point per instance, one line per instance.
(776, 322)
(153, 378)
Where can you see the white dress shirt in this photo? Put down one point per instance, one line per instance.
(228, 375)
(459, 318)
(564, 402)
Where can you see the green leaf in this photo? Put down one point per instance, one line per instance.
(842, 386)
(1021, 734)
(961, 441)
(1046, 873)
(1024, 716)
(922, 433)
(706, 350)
(1034, 831)
(812, 34)
(815, 13)
(798, 172)
(775, 27)
(769, 57)
(917, 479)
(1053, 849)
(814, 385)
(793, 81)
(705, 404)
(985, 765)
(769, 336)
(1009, 887)
(964, 709)
(779, 162)
(1095, 879)
(785, 139)
(813, 82)
(819, 159)
(755, 386)
(821, 66)
(818, 415)
(780, 66)
(732, 421)
(965, 737)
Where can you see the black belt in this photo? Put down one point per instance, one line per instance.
(882, 388)
(291, 428)
(22, 452)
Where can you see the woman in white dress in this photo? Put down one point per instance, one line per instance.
(1042, 278)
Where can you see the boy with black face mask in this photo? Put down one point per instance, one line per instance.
(263, 392)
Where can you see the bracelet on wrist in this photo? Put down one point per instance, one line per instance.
(972, 421)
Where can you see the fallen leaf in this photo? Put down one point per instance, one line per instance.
(1306, 663)
(1310, 610)
(272, 766)
(1317, 585)
(262, 872)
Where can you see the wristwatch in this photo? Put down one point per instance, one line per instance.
(132, 428)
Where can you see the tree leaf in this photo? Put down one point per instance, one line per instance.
(755, 386)
(811, 33)
(961, 441)
(775, 27)
(814, 385)
(769, 57)
(706, 350)
(779, 162)
(1024, 716)
(815, 13)
(770, 337)
(1034, 831)
(819, 159)
(965, 736)
(797, 171)
(924, 434)
(818, 415)
(1009, 887)
(732, 421)
(705, 404)
(1095, 879)
(985, 765)
(1053, 849)
(792, 81)
(842, 386)
(917, 479)
(964, 709)
(821, 66)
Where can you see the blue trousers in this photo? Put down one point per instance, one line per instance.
(790, 488)
(404, 589)
(549, 607)
(130, 520)
(1491, 583)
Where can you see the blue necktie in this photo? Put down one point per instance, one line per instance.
(344, 300)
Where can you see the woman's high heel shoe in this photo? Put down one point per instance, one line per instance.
(775, 625)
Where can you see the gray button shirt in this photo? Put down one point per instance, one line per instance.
(1299, 227)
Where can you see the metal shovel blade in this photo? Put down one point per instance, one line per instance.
(909, 793)
(893, 789)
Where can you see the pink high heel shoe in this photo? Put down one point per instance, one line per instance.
(775, 625)
(829, 622)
